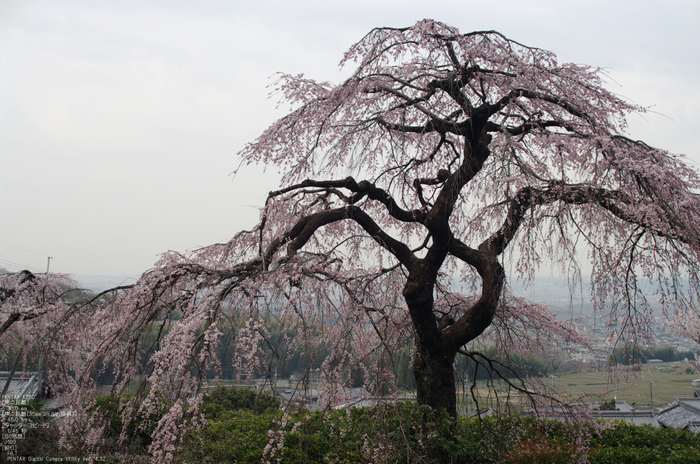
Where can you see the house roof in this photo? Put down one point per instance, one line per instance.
(623, 406)
(683, 413)
(22, 384)
(634, 417)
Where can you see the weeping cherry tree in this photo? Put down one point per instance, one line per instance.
(408, 189)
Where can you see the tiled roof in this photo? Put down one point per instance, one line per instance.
(645, 417)
(682, 413)
(23, 384)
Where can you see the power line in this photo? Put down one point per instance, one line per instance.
(22, 266)
(19, 267)
(23, 249)
(64, 267)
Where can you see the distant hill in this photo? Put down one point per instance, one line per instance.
(98, 283)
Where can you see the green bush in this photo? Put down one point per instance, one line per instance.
(234, 436)
(545, 451)
(645, 445)
(107, 410)
(233, 399)
(609, 405)
(408, 433)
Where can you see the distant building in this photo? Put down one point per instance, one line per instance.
(683, 413)
(346, 399)
(305, 397)
(625, 412)
(22, 384)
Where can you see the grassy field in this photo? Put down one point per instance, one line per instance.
(655, 384)
(658, 384)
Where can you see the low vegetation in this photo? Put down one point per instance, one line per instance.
(246, 427)
(407, 432)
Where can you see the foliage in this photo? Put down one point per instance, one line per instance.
(409, 433)
(545, 452)
(387, 433)
(232, 436)
(403, 432)
(134, 436)
(644, 444)
(609, 405)
(233, 399)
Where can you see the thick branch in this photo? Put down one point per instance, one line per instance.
(527, 127)
(304, 229)
(480, 315)
(14, 317)
(439, 125)
(361, 189)
(532, 95)
(437, 221)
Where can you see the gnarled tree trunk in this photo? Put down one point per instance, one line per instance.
(435, 379)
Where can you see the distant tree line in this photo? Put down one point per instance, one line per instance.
(628, 355)
(507, 366)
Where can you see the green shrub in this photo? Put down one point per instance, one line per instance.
(609, 405)
(409, 433)
(107, 410)
(645, 445)
(233, 399)
(545, 451)
(234, 436)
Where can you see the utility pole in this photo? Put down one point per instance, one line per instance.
(48, 262)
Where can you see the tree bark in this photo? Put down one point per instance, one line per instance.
(435, 379)
(433, 363)
(436, 347)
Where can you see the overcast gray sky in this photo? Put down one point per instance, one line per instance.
(120, 120)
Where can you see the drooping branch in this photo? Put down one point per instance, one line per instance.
(25, 296)
(480, 315)
(527, 197)
(8, 292)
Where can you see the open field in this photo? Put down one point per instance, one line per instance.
(658, 384)
(655, 384)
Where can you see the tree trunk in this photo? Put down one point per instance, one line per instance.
(435, 378)
(433, 364)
